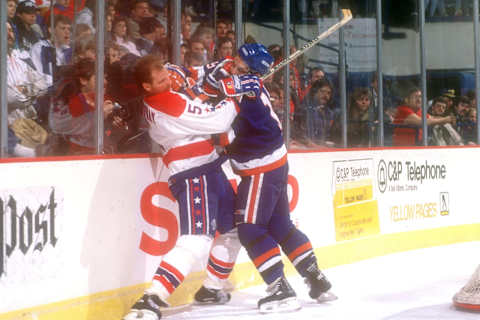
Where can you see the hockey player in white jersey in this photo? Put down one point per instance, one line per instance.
(183, 129)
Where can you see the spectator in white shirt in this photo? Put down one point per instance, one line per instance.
(24, 86)
(120, 35)
(47, 54)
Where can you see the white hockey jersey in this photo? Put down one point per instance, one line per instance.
(183, 128)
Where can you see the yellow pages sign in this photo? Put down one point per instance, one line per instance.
(354, 204)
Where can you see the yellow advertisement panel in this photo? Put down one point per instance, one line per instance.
(354, 205)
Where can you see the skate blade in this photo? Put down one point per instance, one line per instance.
(176, 309)
(132, 315)
(287, 305)
(210, 303)
(326, 296)
(149, 315)
(228, 286)
(139, 314)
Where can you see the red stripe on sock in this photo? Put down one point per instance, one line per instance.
(267, 255)
(173, 270)
(216, 273)
(300, 250)
(222, 263)
(170, 288)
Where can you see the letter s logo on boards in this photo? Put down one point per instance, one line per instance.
(159, 217)
(166, 219)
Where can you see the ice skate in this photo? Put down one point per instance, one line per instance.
(319, 286)
(281, 298)
(468, 298)
(147, 308)
(211, 296)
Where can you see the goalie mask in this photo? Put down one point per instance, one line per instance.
(256, 56)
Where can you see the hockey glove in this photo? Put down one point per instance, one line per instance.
(214, 73)
(235, 86)
(179, 77)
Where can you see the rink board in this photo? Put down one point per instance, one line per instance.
(80, 238)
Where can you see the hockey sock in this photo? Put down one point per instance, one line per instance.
(262, 250)
(222, 258)
(299, 250)
(166, 279)
(219, 270)
(189, 251)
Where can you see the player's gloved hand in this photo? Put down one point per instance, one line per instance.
(214, 73)
(235, 86)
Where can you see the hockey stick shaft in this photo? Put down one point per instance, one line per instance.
(347, 16)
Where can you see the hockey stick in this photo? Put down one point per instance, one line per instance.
(347, 16)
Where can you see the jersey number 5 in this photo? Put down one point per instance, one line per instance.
(194, 109)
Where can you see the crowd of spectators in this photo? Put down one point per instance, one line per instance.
(51, 84)
(439, 8)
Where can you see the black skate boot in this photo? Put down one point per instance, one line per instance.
(319, 285)
(211, 296)
(147, 308)
(281, 298)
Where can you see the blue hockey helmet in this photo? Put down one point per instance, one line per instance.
(256, 56)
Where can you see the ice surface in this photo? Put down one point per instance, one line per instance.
(411, 285)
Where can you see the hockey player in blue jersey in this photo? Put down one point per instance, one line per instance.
(258, 154)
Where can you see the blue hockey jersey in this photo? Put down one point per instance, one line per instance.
(258, 145)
